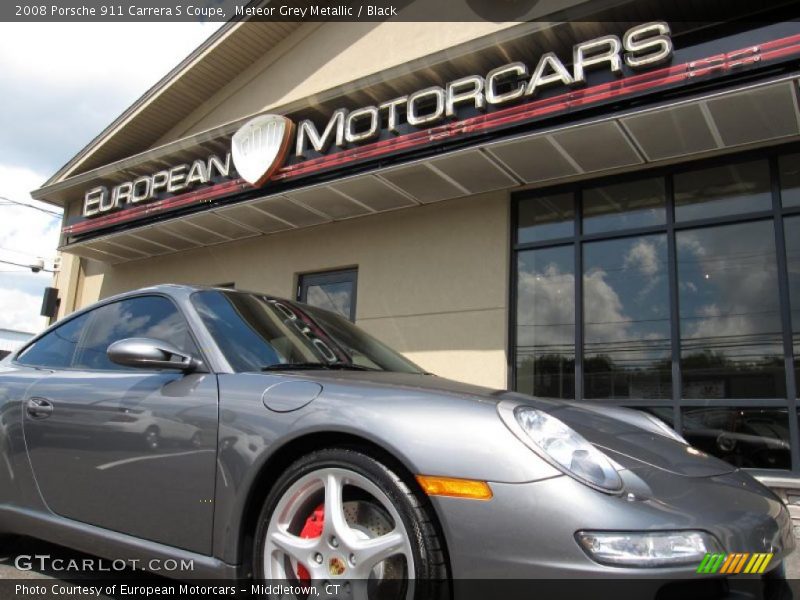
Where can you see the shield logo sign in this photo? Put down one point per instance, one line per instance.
(259, 147)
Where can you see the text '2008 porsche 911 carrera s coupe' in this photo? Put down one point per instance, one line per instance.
(262, 438)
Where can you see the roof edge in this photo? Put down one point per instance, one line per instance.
(221, 33)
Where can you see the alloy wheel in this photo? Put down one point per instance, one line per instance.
(335, 526)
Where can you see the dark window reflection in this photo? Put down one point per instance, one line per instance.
(790, 179)
(665, 413)
(143, 317)
(546, 218)
(624, 205)
(57, 348)
(335, 297)
(626, 319)
(250, 333)
(546, 322)
(730, 318)
(792, 228)
(721, 191)
(254, 332)
(332, 290)
(755, 438)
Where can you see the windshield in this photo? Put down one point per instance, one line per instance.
(258, 333)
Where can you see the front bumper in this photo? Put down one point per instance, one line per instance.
(527, 531)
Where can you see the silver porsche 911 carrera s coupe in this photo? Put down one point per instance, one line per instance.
(255, 437)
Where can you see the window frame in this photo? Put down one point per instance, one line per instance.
(90, 309)
(345, 275)
(775, 214)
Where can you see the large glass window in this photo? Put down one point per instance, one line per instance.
(332, 290)
(546, 322)
(790, 179)
(681, 302)
(721, 191)
(639, 203)
(547, 218)
(626, 318)
(731, 340)
(792, 229)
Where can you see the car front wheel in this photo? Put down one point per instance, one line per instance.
(339, 517)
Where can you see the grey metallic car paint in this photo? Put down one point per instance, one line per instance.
(92, 469)
(286, 396)
(431, 425)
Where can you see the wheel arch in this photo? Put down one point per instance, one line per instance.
(285, 455)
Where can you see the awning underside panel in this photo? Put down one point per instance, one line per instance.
(760, 114)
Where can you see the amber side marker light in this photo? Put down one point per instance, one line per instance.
(455, 488)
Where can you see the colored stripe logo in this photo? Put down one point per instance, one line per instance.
(737, 562)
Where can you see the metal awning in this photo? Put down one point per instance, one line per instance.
(755, 115)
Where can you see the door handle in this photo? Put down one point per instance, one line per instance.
(39, 408)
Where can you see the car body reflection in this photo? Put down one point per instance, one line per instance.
(745, 437)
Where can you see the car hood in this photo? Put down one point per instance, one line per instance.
(627, 436)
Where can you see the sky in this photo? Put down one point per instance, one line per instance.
(728, 299)
(60, 85)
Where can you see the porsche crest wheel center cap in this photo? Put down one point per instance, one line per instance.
(336, 566)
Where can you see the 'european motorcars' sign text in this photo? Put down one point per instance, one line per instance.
(180, 178)
(640, 47)
(261, 145)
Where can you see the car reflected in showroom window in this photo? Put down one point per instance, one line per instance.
(747, 437)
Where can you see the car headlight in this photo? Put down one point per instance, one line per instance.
(647, 549)
(566, 448)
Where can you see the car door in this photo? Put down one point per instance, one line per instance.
(128, 449)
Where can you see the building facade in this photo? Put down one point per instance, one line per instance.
(592, 210)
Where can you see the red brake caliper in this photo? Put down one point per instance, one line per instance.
(311, 529)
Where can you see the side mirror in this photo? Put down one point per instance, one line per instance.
(145, 353)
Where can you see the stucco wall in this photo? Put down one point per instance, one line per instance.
(321, 56)
(432, 280)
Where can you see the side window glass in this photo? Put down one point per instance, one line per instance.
(56, 349)
(147, 316)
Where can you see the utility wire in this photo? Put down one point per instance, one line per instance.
(18, 252)
(8, 262)
(7, 201)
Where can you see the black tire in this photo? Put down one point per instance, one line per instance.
(431, 573)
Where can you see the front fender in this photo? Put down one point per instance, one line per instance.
(432, 435)
(429, 433)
